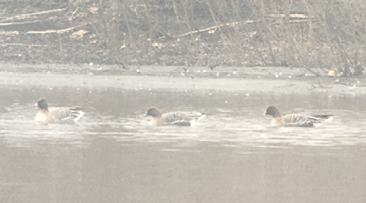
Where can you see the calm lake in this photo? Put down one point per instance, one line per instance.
(112, 155)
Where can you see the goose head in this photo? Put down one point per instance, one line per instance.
(42, 104)
(154, 112)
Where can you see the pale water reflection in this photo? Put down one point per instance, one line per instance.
(112, 155)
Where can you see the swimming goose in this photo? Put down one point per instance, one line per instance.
(47, 115)
(173, 118)
(295, 120)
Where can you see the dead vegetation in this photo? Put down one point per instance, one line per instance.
(316, 35)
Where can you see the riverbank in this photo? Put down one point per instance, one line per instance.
(250, 79)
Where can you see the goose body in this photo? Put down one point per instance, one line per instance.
(173, 118)
(295, 120)
(48, 115)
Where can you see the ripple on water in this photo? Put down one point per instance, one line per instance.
(241, 131)
(224, 126)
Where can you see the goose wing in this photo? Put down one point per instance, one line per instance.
(173, 118)
(297, 120)
(76, 113)
(181, 118)
(59, 114)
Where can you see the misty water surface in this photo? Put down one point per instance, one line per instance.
(112, 155)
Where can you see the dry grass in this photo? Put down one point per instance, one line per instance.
(317, 35)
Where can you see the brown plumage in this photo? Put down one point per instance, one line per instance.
(47, 114)
(173, 118)
(295, 120)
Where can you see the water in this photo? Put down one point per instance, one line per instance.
(112, 155)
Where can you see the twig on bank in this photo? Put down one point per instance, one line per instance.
(294, 18)
(56, 31)
(350, 84)
(311, 71)
(291, 16)
(21, 44)
(213, 28)
(23, 16)
(8, 33)
(19, 23)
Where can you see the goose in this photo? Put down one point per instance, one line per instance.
(173, 118)
(295, 120)
(48, 115)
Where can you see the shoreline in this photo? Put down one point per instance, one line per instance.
(233, 79)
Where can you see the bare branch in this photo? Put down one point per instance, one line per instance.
(23, 16)
(55, 31)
